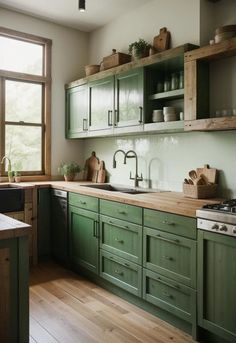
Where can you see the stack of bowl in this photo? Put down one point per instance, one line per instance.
(157, 116)
(225, 32)
(170, 114)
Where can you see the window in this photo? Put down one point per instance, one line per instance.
(25, 91)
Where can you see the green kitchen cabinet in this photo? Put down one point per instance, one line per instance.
(169, 295)
(44, 222)
(83, 237)
(122, 273)
(129, 98)
(217, 284)
(101, 104)
(121, 238)
(14, 290)
(77, 111)
(170, 255)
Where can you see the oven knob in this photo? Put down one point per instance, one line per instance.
(223, 228)
(215, 227)
(234, 231)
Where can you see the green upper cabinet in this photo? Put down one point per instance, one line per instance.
(101, 104)
(76, 111)
(217, 284)
(129, 98)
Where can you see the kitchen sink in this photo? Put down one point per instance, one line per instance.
(11, 198)
(122, 189)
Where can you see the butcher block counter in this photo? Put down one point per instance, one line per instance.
(167, 201)
(14, 287)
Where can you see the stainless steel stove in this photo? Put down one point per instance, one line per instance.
(220, 218)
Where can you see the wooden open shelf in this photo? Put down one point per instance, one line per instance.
(171, 95)
(196, 99)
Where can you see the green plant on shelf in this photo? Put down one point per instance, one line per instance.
(69, 170)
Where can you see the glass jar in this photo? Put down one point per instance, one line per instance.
(167, 84)
(181, 79)
(174, 81)
(160, 87)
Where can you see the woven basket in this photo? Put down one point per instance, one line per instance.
(91, 69)
(200, 191)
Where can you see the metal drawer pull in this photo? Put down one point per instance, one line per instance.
(168, 223)
(110, 222)
(126, 264)
(168, 258)
(122, 212)
(166, 294)
(168, 240)
(83, 202)
(119, 273)
(119, 240)
(167, 284)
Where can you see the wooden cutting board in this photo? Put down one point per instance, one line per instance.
(91, 168)
(210, 173)
(101, 173)
(162, 41)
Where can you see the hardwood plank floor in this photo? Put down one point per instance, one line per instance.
(67, 308)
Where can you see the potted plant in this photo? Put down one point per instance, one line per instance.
(69, 170)
(139, 48)
(17, 176)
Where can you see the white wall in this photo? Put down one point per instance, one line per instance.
(69, 55)
(165, 159)
(181, 17)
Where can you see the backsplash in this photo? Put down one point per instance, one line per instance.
(165, 159)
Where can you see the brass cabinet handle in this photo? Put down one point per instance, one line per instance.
(119, 240)
(85, 126)
(140, 115)
(167, 222)
(121, 212)
(109, 121)
(166, 294)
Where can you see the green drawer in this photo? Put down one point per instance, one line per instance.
(170, 255)
(179, 225)
(122, 273)
(83, 201)
(171, 296)
(126, 212)
(121, 238)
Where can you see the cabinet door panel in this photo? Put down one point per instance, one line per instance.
(84, 238)
(169, 295)
(129, 98)
(76, 111)
(217, 284)
(121, 238)
(121, 272)
(101, 100)
(170, 255)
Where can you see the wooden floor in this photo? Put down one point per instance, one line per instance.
(67, 308)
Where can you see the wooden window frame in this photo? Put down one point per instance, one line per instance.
(45, 81)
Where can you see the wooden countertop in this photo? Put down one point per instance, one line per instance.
(173, 202)
(11, 228)
(167, 201)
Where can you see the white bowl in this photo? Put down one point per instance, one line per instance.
(170, 117)
(157, 116)
(169, 110)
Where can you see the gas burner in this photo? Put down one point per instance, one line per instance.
(226, 206)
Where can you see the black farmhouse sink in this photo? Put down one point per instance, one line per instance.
(114, 188)
(11, 198)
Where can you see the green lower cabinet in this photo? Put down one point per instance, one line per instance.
(121, 238)
(44, 222)
(14, 290)
(121, 272)
(217, 284)
(83, 238)
(170, 255)
(169, 295)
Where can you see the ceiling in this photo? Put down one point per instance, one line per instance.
(65, 12)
